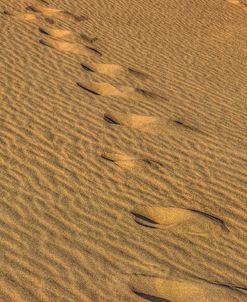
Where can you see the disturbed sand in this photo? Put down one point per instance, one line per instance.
(123, 138)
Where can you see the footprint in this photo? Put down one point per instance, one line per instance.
(50, 11)
(67, 47)
(149, 124)
(44, 10)
(87, 38)
(234, 2)
(55, 32)
(141, 122)
(21, 16)
(189, 221)
(238, 3)
(112, 69)
(127, 161)
(108, 69)
(103, 89)
(75, 17)
(165, 290)
(106, 89)
(139, 74)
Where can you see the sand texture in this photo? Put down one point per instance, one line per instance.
(123, 139)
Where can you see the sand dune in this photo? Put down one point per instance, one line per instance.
(123, 137)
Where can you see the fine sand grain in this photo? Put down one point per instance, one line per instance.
(123, 139)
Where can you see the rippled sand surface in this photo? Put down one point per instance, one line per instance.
(123, 138)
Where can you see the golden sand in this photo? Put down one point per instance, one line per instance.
(123, 138)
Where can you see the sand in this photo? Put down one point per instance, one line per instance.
(123, 138)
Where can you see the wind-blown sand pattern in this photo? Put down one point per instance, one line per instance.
(115, 108)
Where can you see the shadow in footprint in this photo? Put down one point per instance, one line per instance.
(96, 51)
(152, 298)
(181, 124)
(183, 291)
(148, 94)
(87, 38)
(50, 11)
(150, 124)
(110, 120)
(103, 89)
(144, 221)
(77, 18)
(55, 32)
(65, 46)
(106, 89)
(116, 70)
(88, 89)
(138, 74)
(193, 221)
(128, 161)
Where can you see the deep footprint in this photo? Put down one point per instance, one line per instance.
(127, 161)
(56, 12)
(87, 38)
(183, 291)
(20, 16)
(238, 3)
(113, 70)
(67, 47)
(149, 124)
(106, 89)
(189, 221)
(55, 32)
(103, 89)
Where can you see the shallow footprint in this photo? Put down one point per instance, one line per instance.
(50, 11)
(190, 221)
(112, 70)
(106, 89)
(127, 161)
(44, 10)
(183, 291)
(21, 16)
(67, 47)
(238, 3)
(55, 32)
(87, 38)
(141, 122)
(149, 124)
